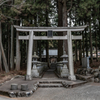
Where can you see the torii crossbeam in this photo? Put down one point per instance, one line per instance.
(32, 37)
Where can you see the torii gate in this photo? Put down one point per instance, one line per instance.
(32, 37)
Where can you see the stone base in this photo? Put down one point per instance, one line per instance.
(24, 87)
(89, 78)
(64, 75)
(88, 67)
(64, 72)
(35, 73)
(28, 77)
(72, 78)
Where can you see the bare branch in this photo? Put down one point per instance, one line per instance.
(8, 17)
(4, 2)
(15, 6)
(7, 5)
(70, 6)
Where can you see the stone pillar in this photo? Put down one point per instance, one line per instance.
(29, 60)
(70, 54)
(17, 52)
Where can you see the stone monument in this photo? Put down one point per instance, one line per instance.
(85, 63)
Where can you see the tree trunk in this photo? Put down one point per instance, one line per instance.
(0, 48)
(27, 42)
(39, 44)
(17, 52)
(80, 48)
(65, 44)
(80, 52)
(60, 24)
(96, 46)
(35, 41)
(83, 45)
(12, 48)
(86, 43)
(4, 58)
(8, 45)
(90, 42)
(22, 51)
(83, 42)
(76, 59)
(47, 42)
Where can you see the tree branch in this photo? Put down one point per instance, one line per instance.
(4, 2)
(8, 5)
(70, 7)
(8, 17)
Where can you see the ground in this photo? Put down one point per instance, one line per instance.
(7, 76)
(88, 91)
(84, 92)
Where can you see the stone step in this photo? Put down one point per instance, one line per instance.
(49, 82)
(50, 85)
(51, 69)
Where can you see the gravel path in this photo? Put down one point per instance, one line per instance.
(5, 98)
(84, 92)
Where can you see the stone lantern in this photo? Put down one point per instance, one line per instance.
(64, 70)
(34, 71)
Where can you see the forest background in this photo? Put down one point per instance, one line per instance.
(48, 13)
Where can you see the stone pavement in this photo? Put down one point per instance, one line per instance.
(49, 74)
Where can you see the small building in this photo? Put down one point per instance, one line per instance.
(53, 54)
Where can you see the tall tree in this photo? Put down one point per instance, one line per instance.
(60, 24)
(0, 49)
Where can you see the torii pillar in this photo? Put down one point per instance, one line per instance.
(29, 62)
(70, 54)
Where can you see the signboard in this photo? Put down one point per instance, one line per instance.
(49, 34)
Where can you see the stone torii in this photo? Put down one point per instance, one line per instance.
(32, 37)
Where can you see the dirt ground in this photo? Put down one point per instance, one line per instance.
(7, 76)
